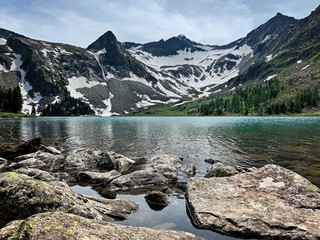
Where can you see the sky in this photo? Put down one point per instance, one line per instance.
(80, 22)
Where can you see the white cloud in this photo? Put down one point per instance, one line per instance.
(80, 22)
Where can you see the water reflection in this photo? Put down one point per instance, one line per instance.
(290, 142)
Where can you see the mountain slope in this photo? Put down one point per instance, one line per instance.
(115, 78)
(291, 61)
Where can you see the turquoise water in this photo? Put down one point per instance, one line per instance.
(290, 142)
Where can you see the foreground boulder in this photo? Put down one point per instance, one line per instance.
(22, 196)
(58, 225)
(10, 152)
(82, 158)
(115, 161)
(269, 202)
(220, 170)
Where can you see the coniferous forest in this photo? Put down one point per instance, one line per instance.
(259, 100)
(68, 106)
(10, 100)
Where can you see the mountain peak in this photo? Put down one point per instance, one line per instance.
(181, 37)
(106, 40)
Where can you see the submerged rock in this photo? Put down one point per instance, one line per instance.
(158, 200)
(97, 177)
(189, 169)
(211, 161)
(82, 158)
(220, 170)
(58, 225)
(37, 174)
(22, 196)
(269, 202)
(115, 161)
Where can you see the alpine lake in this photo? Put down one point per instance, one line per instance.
(291, 142)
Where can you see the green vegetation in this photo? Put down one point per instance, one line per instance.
(259, 100)
(256, 100)
(68, 106)
(10, 100)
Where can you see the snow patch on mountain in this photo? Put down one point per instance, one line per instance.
(81, 82)
(25, 86)
(197, 68)
(270, 77)
(3, 41)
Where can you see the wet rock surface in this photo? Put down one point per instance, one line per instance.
(58, 225)
(270, 202)
(158, 200)
(22, 196)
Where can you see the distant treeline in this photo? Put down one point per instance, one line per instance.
(68, 106)
(10, 100)
(259, 99)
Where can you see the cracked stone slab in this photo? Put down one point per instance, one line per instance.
(269, 202)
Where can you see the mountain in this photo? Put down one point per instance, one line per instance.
(119, 78)
(282, 76)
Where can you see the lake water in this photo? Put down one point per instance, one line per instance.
(248, 141)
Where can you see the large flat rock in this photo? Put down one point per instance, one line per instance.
(269, 202)
(22, 196)
(58, 225)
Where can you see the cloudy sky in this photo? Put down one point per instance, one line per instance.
(80, 22)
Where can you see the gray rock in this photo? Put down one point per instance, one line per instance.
(8, 230)
(22, 196)
(51, 150)
(115, 161)
(2, 160)
(158, 200)
(36, 174)
(97, 177)
(58, 225)
(62, 176)
(4, 165)
(220, 170)
(270, 202)
(189, 169)
(142, 179)
(168, 159)
(43, 156)
(164, 172)
(31, 162)
(82, 158)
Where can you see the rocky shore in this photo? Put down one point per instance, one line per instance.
(36, 201)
